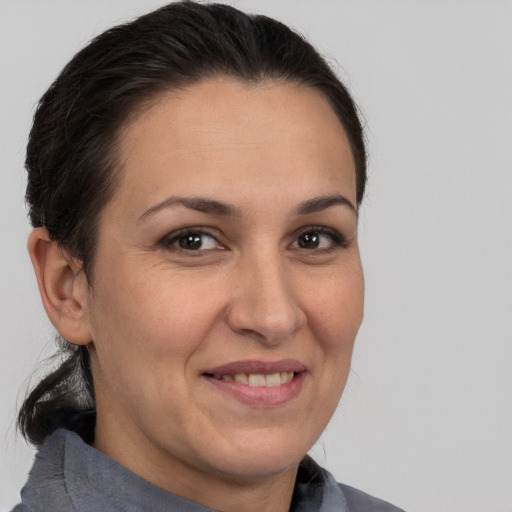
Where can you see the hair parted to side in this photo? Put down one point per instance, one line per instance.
(71, 153)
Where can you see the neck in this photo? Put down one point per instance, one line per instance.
(269, 495)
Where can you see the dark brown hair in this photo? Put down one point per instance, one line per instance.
(71, 154)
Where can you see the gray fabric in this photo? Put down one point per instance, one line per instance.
(359, 501)
(68, 475)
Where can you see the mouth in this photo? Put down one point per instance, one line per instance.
(259, 383)
(257, 380)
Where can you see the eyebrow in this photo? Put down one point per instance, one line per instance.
(212, 206)
(200, 204)
(318, 204)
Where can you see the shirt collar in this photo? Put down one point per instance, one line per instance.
(97, 482)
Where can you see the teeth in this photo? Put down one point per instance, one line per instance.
(241, 378)
(258, 380)
(272, 380)
(286, 377)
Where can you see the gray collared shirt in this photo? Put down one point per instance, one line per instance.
(68, 475)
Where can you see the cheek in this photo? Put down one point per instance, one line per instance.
(152, 314)
(145, 336)
(338, 307)
(336, 311)
(339, 313)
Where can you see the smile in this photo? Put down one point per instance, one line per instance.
(258, 380)
(259, 383)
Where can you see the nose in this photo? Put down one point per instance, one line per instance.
(264, 304)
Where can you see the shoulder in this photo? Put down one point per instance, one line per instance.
(46, 488)
(317, 489)
(359, 501)
(21, 508)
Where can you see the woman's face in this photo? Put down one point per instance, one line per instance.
(227, 288)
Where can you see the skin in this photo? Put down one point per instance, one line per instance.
(157, 315)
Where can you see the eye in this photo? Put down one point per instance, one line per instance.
(319, 238)
(191, 240)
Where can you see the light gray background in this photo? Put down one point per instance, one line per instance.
(426, 419)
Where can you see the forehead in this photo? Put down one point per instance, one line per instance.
(215, 135)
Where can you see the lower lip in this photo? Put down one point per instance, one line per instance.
(260, 396)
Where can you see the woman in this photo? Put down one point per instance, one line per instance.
(194, 183)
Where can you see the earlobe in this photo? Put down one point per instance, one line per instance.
(62, 287)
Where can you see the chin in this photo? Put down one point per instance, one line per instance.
(261, 459)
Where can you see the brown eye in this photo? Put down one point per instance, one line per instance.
(309, 240)
(191, 241)
(319, 238)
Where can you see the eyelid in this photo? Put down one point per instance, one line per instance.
(338, 239)
(168, 240)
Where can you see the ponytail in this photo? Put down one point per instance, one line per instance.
(63, 399)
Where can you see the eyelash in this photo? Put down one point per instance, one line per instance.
(169, 241)
(337, 239)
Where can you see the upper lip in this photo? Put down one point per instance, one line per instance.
(255, 366)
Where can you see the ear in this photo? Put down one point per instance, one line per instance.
(63, 287)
